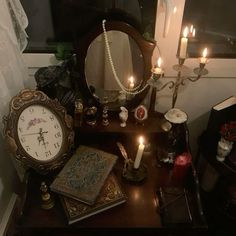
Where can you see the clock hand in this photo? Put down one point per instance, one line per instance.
(44, 132)
(40, 139)
(44, 143)
(29, 134)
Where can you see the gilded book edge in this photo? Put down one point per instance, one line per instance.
(100, 208)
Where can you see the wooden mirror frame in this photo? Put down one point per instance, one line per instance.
(81, 49)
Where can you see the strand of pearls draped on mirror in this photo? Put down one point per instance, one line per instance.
(132, 91)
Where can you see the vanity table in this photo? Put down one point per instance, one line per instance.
(138, 215)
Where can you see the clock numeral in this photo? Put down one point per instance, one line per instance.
(48, 153)
(20, 130)
(56, 145)
(31, 110)
(27, 148)
(43, 111)
(56, 126)
(51, 117)
(22, 139)
(36, 154)
(58, 135)
(22, 118)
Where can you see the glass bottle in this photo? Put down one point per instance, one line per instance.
(78, 113)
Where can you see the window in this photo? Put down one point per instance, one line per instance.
(217, 67)
(215, 24)
(53, 22)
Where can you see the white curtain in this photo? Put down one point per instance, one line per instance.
(13, 40)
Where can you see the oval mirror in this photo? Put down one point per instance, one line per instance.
(131, 57)
(127, 60)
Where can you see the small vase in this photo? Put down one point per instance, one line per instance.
(223, 149)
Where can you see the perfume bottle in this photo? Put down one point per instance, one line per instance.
(78, 113)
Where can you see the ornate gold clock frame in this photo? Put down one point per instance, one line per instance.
(24, 103)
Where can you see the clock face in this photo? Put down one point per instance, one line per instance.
(40, 132)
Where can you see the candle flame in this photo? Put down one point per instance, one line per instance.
(194, 32)
(131, 79)
(191, 29)
(159, 62)
(141, 140)
(204, 53)
(175, 10)
(185, 33)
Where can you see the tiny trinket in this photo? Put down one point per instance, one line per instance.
(90, 115)
(123, 115)
(78, 113)
(141, 114)
(47, 201)
(105, 121)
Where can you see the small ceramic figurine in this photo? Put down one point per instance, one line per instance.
(123, 115)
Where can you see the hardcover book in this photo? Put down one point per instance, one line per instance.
(84, 174)
(110, 196)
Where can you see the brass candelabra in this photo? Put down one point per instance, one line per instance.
(181, 78)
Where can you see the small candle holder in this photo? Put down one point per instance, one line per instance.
(134, 175)
(46, 200)
(181, 61)
(154, 83)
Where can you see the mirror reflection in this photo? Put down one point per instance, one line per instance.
(128, 63)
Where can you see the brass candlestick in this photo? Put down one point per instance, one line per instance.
(47, 201)
(180, 80)
(135, 175)
(129, 172)
(180, 68)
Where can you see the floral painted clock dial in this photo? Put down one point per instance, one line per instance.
(38, 131)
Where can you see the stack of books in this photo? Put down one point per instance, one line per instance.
(87, 185)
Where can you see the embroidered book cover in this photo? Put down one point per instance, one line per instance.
(110, 196)
(84, 174)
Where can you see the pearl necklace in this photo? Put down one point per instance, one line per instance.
(123, 88)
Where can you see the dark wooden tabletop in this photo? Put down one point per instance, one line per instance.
(140, 211)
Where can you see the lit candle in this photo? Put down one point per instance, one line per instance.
(181, 166)
(131, 82)
(183, 44)
(157, 70)
(139, 153)
(203, 59)
(191, 29)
